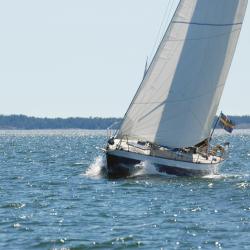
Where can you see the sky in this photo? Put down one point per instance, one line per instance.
(81, 58)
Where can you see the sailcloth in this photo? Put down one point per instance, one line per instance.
(177, 101)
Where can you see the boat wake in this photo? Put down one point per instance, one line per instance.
(145, 168)
(97, 169)
(213, 176)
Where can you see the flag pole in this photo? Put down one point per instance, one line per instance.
(215, 127)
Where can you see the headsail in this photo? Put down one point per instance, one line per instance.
(179, 96)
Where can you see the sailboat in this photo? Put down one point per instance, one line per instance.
(170, 120)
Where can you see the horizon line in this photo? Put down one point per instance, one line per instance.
(87, 117)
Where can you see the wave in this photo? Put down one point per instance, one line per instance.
(226, 176)
(214, 176)
(97, 169)
(145, 168)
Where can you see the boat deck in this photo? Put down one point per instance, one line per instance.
(162, 152)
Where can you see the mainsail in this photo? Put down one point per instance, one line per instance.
(176, 103)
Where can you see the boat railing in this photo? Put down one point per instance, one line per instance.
(214, 150)
(219, 150)
(151, 150)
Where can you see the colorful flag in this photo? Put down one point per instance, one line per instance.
(226, 123)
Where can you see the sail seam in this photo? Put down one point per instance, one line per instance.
(184, 100)
(208, 24)
(205, 37)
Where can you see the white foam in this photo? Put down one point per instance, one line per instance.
(225, 176)
(213, 176)
(95, 170)
(145, 168)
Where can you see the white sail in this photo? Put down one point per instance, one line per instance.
(177, 101)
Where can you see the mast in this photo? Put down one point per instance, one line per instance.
(146, 68)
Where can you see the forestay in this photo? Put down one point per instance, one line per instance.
(177, 101)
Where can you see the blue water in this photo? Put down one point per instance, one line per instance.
(54, 195)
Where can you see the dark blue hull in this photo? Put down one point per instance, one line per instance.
(120, 167)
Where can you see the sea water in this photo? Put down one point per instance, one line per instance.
(54, 194)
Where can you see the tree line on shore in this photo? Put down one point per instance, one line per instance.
(25, 122)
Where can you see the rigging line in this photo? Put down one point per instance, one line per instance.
(159, 31)
(155, 44)
(157, 90)
(169, 19)
(208, 24)
(165, 33)
(168, 59)
(141, 85)
(166, 13)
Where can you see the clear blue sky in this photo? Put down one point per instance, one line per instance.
(63, 58)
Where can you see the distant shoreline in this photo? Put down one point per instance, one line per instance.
(22, 122)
